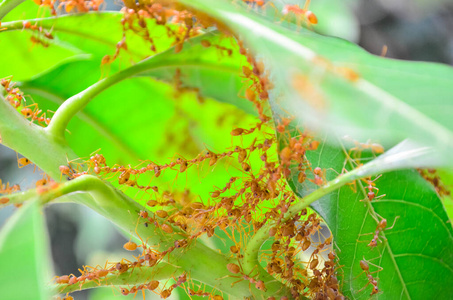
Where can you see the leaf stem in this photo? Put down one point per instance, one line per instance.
(8, 5)
(76, 103)
(135, 276)
(203, 263)
(20, 134)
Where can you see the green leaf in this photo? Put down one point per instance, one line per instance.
(213, 71)
(334, 85)
(73, 34)
(98, 33)
(412, 260)
(186, 127)
(27, 10)
(25, 60)
(24, 255)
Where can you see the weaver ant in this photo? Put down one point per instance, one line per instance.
(371, 188)
(235, 269)
(364, 265)
(381, 226)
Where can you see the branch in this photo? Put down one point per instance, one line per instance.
(135, 276)
(202, 263)
(76, 103)
(8, 5)
(32, 141)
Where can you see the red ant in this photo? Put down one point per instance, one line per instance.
(257, 2)
(320, 177)
(381, 226)
(308, 15)
(359, 147)
(22, 162)
(233, 268)
(371, 188)
(364, 265)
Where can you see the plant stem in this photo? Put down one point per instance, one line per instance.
(251, 251)
(76, 103)
(19, 197)
(32, 141)
(203, 263)
(132, 277)
(8, 5)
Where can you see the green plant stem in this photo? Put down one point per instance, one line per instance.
(19, 197)
(76, 103)
(136, 276)
(113, 203)
(253, 246)
(50, 152)
(33, 141)
(8, 5)
(202, 263)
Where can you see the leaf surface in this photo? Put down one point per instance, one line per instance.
(333, 85)
(24, 255)
(141, 119)
(407, 255)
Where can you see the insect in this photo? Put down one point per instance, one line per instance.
(235, 269)
(22, 162)
(371, 195)
(320, 177)
(302, 14)
(62, 279)
(152, 285)
(356, 151)
(130, 246)
(381, 226)
(365, 266)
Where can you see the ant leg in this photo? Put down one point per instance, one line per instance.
(236, 280)
(394, 221)
(368, 283)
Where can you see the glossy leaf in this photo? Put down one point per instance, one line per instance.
(27, 59)
(73, 34)
(334, 85)
(27, 10)
(120, 133)
(24, 255)
(446, 179)
(407, 256)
